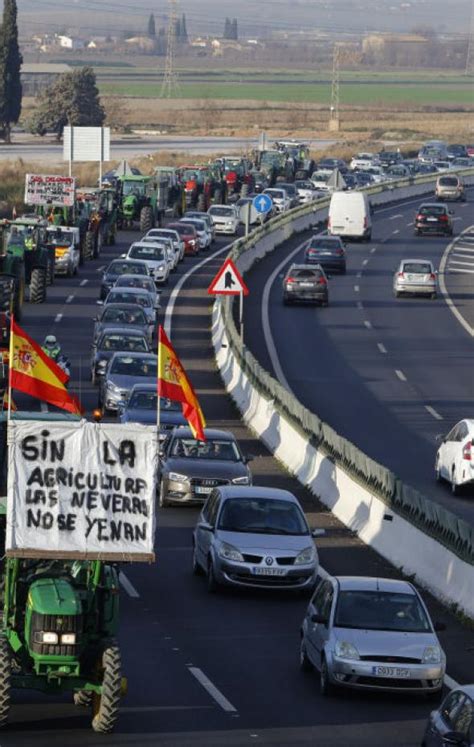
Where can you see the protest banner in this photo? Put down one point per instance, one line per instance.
(81, 490)
(52, 190)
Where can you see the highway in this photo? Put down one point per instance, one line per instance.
(388, 374)
(219, 669)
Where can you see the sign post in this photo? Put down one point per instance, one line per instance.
(229, 282)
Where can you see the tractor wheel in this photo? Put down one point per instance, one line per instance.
(83, 698)
(98, 244)
(201, 203)
(5, 681)
(89, 245)
(146, 219)
(38, 284)
(50, 272)
(17, 269)
(105, 706)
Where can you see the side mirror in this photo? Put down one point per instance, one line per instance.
(206, 527)
(319, 619)
(439, 626)
(157, 306)
(440, 438)
(99, 303)
(318, 533)
(248, 458)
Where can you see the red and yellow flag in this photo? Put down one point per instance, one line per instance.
(34, 373)
(5, 402)
(174, 384)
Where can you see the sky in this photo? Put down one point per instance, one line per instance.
(255, 17)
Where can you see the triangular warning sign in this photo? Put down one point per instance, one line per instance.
(228, 281)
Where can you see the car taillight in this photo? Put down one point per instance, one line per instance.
(290, 280)
(340, 252)
(322, 281)
(444, 218)
(432, 276)
(401, 274)
(419, 216)
(467, 451)
(313, 251)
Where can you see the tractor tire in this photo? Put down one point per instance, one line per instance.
(217, 197)
(17, 269)
(89, 245)
(105, 707)
(38, 285)
(99, 242)
(201, 204)
(5, 681)
(50, 272)
(146, 219)
(83, 698)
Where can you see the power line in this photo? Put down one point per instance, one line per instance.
(170, 85)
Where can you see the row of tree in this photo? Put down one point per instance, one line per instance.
(231, 30)
(180, 30)
(10, 65)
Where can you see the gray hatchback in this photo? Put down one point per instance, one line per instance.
(305, 283)
(415, 277)
(254, 537)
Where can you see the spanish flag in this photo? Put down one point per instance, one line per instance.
(174, 384)
(5, 403)
(33, 372)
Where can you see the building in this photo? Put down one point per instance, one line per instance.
(35, 77)
(69, 42)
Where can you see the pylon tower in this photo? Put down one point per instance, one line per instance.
(170, 85)
(334, 115)
(470, 46)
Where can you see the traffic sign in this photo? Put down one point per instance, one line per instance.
(228, 281)
(262, 203)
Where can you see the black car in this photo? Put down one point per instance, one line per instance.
(453, 722)
(120, 267)
(389, 157)
(305, 283)
(433, 217)
(456, 151)
(328, 252)
(114, 340)
(332, 163)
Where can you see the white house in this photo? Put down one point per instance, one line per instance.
(68, 42)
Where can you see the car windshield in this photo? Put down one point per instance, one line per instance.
(123, 316)
(214, 448)
(123, 342)
(145, 283)
(146, 400)
(152, 252)
(124, 297)
(448, 181)
(378, 610)
(305, 274)
(186, 229)
(127, 365)
(318, 177)
(432, 210)
(324, 244)
(200, 225)
(262, 516)
(275, 193)
(162, 233)
(303, 185)
(133, 188)
(226, 212)
(419, 267)
(124, 268)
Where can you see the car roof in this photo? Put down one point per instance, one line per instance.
(251, 491)
(325, 237)
(131, 306)
(312, 266)
(208, 432)
(434, 204)
(416, 259)
(128, 330)
(126, 289)
(467, 689)
(373, 583)
(127, 260)
(142, 245)
(127, 275)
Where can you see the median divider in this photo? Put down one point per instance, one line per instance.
(403, 525)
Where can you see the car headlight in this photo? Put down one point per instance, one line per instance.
(431, 655)
(241, 480)
(102, 365)
(229, 552)
(68, 639)
(113, 388)
(305, 556)
(177, 477)
(346, 650)
(49, 638)
(161, 268)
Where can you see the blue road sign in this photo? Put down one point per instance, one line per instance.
(262, 203)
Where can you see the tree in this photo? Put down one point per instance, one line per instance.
(151, 26)
(184, 31)
(10, 65)
(227, 28)
(72, 100)
(177, 30)
(234, 33)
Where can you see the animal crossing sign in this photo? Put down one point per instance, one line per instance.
(228, 281)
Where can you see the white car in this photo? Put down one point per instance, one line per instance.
(155, 258)
(306, 191)
(203, 233)
(205, 217)
(362, 161)
(455, 456)
(168, 246)
(225, 218)
(66, 242)
(168, 233)
(319, 180)
(281, 199)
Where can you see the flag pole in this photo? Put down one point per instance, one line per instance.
(10, 366)
(158, 398)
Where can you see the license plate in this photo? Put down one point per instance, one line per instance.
(269, 571)
(395, 672)
(306, 285)
(202, 491)
(326, 254)
(432, 220)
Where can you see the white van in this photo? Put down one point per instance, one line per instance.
(349, 216)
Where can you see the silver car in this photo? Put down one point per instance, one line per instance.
(123, 372)
(206, 218)
(190, 469)
(136, 296)
(257, 537)
(168, 233)
(415, 277)
(371, 633)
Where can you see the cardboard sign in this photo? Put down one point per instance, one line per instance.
(81, 490)
(54, 190)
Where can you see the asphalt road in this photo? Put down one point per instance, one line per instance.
(173, 631)
(388, 374)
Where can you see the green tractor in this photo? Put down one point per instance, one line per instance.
(60, 620)
(31, 262)
(143, 200)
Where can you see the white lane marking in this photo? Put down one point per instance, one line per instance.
(216, 694)
(367, 324)
(396, 231)
(174, 293)
(442, 284)
(360, 305)
(457, 262)
(83, 282)
(400, 375)
(44, 406)
(359, 275)
(410, 224)
(433, 412)
(382, 348)
(69, 299)
(464, 248)
(58, 317)
(457, 218)
(394, 217)
(356, 288)
(128, 586)
(101, 269)
(373, 250)
(365, 261)
(463, 253)
(453, 269)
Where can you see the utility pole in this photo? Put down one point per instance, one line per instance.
(334, 114)
(170, 85)
(470, 46)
